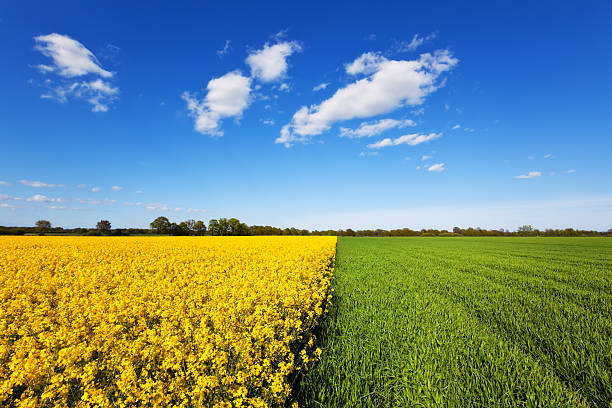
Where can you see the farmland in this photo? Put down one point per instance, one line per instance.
(214, 321)
(247, 321)
(465, 322)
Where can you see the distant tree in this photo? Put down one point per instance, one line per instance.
(457, 230)
(224, 226)
(43, 226)
(199, 228)
(103, 225)
(213, 227)
(237, 228)
(178, 229)
(161, 225)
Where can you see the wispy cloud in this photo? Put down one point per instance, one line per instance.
(71, 60)
(4, 183)
(388, 85)
(226, 48)
(95, 189)
(548, 156)
(116, 188)
(39, 198)
(412, 140)
(320, 86)
(456, 127)
(425, 157)
(570, 171)
(436, 167)
(368, 129)
(412, 45)
(38, 184)
(529, 175)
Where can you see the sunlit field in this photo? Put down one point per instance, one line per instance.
(201, 321)
(467, 322)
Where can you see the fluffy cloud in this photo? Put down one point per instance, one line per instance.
(38, 184)
(529, 175)
(270, 63)
(392, 84)
(436, 167)
(228, 96)
(368, 129)
(456, 127)
(366, 64)
(320, 86)
(411, 140)
(71, 59)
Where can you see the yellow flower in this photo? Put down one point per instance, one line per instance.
(158, 321)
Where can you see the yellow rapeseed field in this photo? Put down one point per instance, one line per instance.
(158, 321)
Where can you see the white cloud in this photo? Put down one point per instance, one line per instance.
(39, 198)
(368, 129)
(320, 86)
(284, 87)
(529, 175)
(38, 184)
(548, 156)
(268, 122)
(70, 57)
(95, 189)
(228, 96)
(270, 63)
(412, 140)
(156, 207)
(5, 197)
(415, 43)
(570, 171)
(195, 210)
(226, 48)
(93, 201)
(5, 205)
(418, 112)
(392, 85)
(116, 188)
(4, 183)
(468, 129)
(366, 64)
(456, 127)
(436, 167)
(425, 157)
(364, 154)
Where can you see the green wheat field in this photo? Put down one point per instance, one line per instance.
(467, 322)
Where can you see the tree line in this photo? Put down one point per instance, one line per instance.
(233, 227)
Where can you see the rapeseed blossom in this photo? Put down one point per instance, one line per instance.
(159, 321)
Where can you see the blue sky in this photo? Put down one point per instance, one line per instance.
(394, 114)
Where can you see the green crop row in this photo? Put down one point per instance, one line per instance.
(467, 322)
